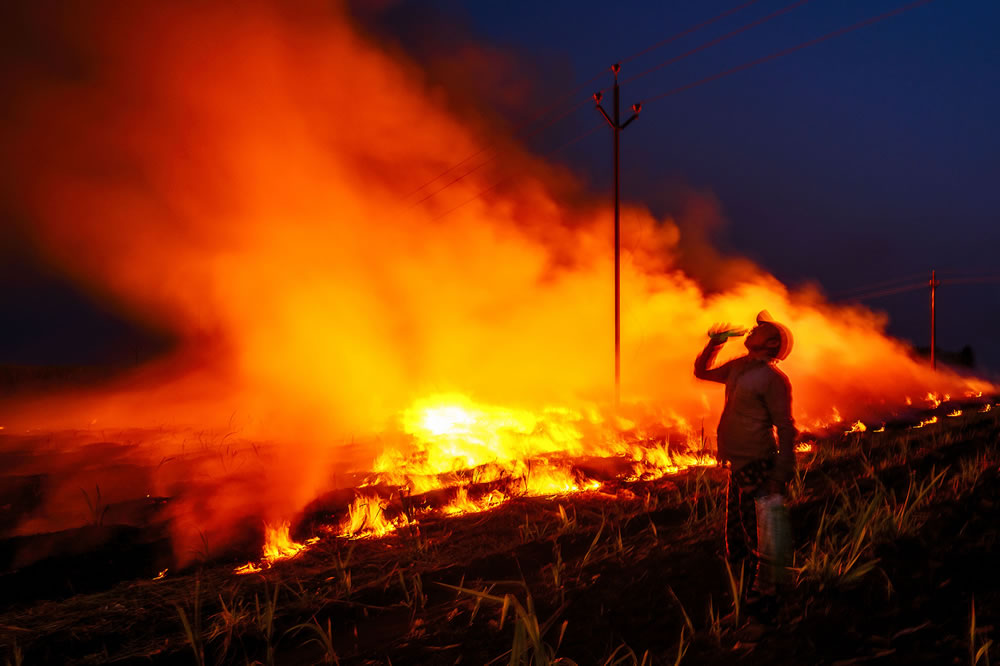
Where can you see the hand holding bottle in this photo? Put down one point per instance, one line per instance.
(719, 333)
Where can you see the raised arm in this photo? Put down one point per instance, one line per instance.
(702, 364)
(779, 405)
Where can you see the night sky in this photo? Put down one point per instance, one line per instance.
(869, 158)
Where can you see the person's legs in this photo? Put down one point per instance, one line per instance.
(748, 516)
(750, 481)
(737, 542)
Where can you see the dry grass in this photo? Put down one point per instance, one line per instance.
(219, 619)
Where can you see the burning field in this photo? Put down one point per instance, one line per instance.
(613, 559)
(386, 428)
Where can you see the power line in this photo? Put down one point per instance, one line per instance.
(978, 280)
(933, 285)
(453, 181)
(565, 98)
(965, 273)
(792, 49)
(490, 147)
(684, 33)
(876, 293)
(885, 292)
(879, 285)
(717, 40)
(714, 77)
(492, 187)
(496, 154)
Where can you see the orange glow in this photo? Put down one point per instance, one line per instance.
(450, 434)
(857, 427)
(454, 440)
(330, 329)
(366, 518)
(462, 503)
(278, 545)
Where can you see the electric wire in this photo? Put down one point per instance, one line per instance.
(978, 280)
(496, 154)
(963, 273)
(684, 33)
(714, 77)
(881, 285)
(716, 41)
(865, 294)
(567, 96)
(719, 75)
(778, 54)
(489, 147)
(492, 187)
(885, 292)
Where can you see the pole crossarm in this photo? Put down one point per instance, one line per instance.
(636, 108)
(597, 100)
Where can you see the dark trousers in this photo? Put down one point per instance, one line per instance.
(745, 485)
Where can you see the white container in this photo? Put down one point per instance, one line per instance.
(774, 543)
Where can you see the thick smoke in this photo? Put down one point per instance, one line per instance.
(240, 175)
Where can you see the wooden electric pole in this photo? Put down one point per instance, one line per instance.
(934, 284)
(617, 127)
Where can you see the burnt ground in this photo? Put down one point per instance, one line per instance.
(895, 536)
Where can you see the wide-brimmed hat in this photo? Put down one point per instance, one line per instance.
(787, 341)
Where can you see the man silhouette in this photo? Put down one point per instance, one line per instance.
(758, 402)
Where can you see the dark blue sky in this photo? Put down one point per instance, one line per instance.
(869, 157)
(866, 158)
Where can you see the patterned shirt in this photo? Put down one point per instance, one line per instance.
(758, 401)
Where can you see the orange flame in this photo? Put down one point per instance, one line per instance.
(366, 518)
(278, 545)
(463, 504)
(451, 434)
(857, 427)
(326, 325)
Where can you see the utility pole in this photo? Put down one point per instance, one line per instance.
(617, 127)
(934, 284)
